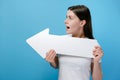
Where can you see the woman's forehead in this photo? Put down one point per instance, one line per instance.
(70, 13)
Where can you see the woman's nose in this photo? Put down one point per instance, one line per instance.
(66, 21)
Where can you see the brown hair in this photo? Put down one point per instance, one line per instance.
(83, 13)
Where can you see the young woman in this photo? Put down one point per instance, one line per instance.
(78, 23)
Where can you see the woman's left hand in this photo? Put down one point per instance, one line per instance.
(98, 53)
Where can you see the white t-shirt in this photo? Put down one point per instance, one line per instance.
(74, 68)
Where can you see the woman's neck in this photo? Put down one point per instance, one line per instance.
(79, 36)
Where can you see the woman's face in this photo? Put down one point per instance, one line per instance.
(73, 24)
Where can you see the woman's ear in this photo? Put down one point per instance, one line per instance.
(83, 22)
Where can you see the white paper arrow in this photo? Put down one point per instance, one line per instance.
(43, 42)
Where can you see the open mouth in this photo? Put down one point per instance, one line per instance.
(68, 27)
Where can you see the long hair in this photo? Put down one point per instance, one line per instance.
(83, 13)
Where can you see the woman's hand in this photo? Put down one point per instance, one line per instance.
(50, 57)
(98, 53)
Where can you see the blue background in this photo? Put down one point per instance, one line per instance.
(20, 19)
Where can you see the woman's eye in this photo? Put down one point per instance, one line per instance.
(70, 17)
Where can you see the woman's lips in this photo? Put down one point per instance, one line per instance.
(67, 27)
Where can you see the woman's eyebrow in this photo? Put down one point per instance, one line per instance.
(69, 16)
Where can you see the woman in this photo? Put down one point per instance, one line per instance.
(78, 23)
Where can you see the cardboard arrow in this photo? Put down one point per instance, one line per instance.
(64, 44)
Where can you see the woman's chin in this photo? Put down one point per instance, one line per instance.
(68, 32)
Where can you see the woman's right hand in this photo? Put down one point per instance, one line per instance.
(50, 56)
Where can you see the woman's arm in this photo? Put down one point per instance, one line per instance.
(96, 71)
(96, 66)
(52, 58)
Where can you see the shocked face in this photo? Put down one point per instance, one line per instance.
(73, 24)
